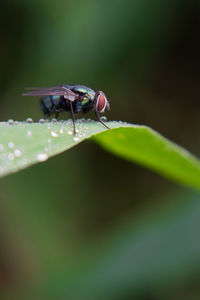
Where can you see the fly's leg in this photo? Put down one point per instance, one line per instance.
(73, 117)
(52, 111)
(99, 119)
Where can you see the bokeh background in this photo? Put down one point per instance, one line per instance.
(86, 224)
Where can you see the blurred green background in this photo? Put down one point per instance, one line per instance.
(85, 224)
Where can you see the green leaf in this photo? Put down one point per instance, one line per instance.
(145, 146)
(24, 144)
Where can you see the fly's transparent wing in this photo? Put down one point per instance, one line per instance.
(52, 91)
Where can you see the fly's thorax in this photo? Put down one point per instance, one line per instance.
(85, 100)
(83, 91)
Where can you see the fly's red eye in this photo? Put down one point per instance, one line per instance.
(101, 102)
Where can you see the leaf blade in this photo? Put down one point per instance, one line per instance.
(148, 148)
(23, 145)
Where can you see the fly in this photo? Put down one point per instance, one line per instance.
(69, 97)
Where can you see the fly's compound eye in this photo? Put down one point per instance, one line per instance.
(101, 102)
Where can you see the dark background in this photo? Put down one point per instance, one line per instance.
(145, 55)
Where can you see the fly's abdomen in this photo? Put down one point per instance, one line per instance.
(46, 104)
(49, 103)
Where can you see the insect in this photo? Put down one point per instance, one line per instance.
(70, 97)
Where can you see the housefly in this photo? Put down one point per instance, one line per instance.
(70, 97)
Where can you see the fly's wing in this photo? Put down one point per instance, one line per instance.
(52, 91)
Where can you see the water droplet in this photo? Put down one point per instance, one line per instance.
(76, 139)
(29, 133)
(17, 152)
(11, 156)
(10, 122)
(54, 134)
(70, 132)
(41, 121)
(53, 120)
(42, 156)
(103, 118)
(1, 147)
(11, 145)
(29, 120)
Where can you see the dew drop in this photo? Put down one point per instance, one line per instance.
(10, 122)
(11, 156)
(11, 145)
(1, 147)
(103, 118)
(29, 120)
(29, 133)
(41, 121)
(17, 152)
(42, 156)
(54, 134)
